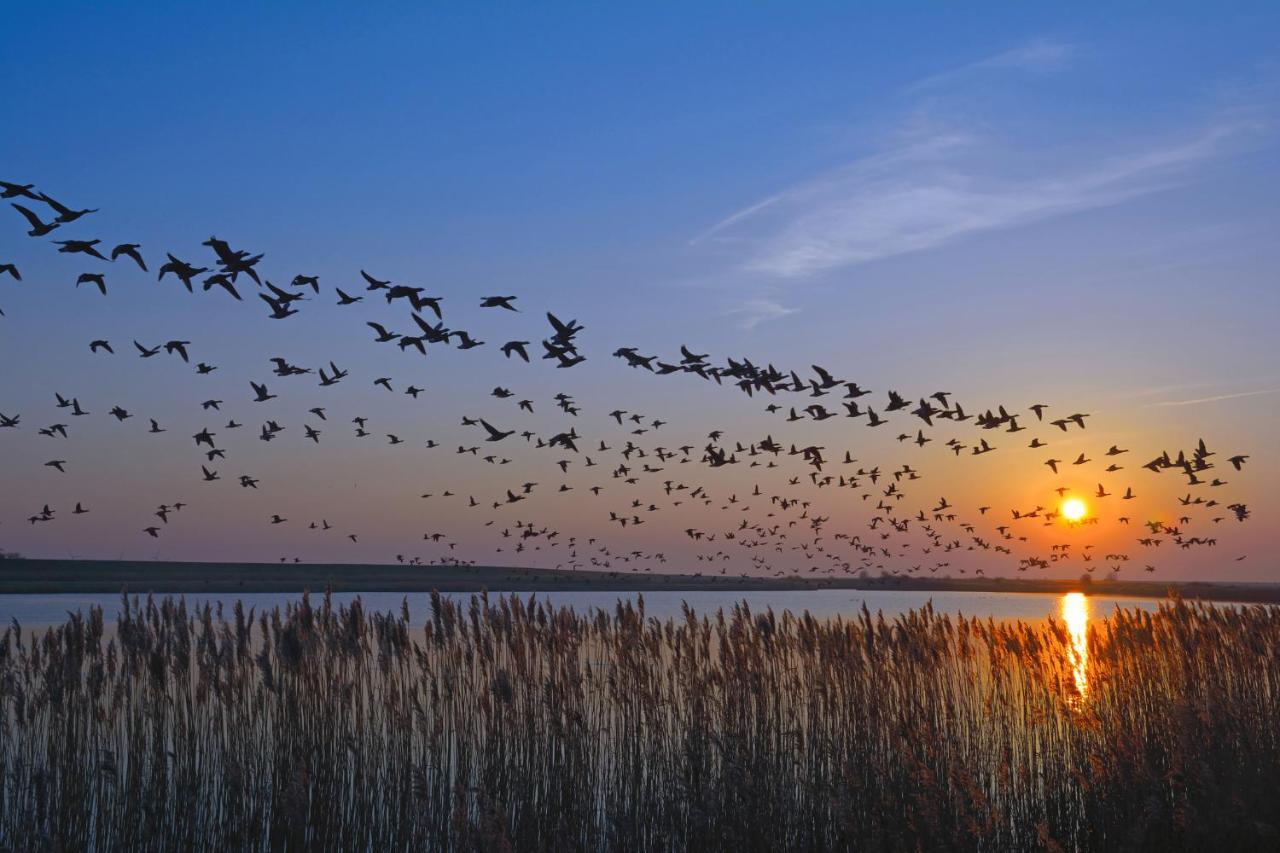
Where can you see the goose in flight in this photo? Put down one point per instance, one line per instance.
(80, 247)
(39, 228)
(182, 270)
(65, 214)
(383, 334)
(498, 302)
(494, 434)
(179, 347)
(234, 262)
(280, 302)
(517, 347)
(687, 356)
(374, 284)
(467, 341)
(225, 282)
(9, 190)
(260, 391)
(131, 251)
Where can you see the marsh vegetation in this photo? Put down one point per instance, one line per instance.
(508, 723)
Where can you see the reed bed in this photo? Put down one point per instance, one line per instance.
(508, 724)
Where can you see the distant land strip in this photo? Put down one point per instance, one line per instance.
(28, 576)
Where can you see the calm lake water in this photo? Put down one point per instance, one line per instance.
(38, 610)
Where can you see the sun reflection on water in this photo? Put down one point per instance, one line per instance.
(1075, 612)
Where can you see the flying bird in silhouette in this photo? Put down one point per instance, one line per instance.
(95, 278)
(184, 271)
(179, 347)
(374, 284)
(65, 214)
(383, 334)
(10, 190)
(80, 247)
(39, 228)
(130, 250)
(494, 434)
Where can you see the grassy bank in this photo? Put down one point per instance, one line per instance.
(107, 576)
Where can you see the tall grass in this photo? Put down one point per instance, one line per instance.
(509, 724)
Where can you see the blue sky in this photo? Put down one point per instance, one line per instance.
(591, 143)
(1044, 200)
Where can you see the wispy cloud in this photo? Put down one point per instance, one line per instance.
(939, 188)
(1038, 55)
(753, 312)
(1218, 397)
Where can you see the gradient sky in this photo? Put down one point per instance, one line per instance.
(1067, 205)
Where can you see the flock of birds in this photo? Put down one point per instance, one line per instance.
(812, 510)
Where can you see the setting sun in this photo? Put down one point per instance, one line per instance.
(1074, 509)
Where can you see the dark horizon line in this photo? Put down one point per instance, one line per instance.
(20, 575)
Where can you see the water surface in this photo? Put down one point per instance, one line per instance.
(38, 610)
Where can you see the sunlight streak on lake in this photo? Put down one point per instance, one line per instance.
(1075, 612)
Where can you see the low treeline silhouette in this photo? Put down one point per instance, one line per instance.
(507, 723)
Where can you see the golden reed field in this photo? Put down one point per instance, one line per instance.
(507, 724)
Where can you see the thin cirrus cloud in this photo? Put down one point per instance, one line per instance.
(1038, 55)
(936, 190)
(753, 312)
(1215, 398)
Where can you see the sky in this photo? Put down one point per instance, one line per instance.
(1052, 204)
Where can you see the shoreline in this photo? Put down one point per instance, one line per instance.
(45, 577)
